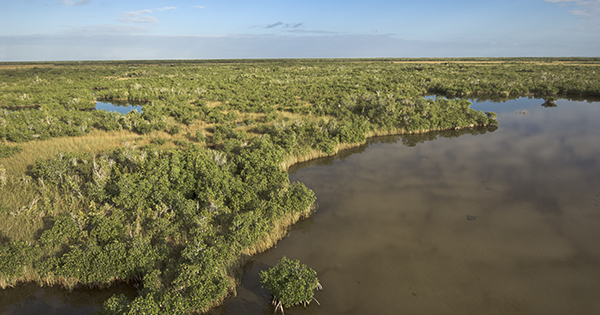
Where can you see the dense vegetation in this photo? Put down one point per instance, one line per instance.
(290, 283)
(178, 220)
(177, 198)
(50, 100)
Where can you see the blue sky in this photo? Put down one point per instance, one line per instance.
(41, 30)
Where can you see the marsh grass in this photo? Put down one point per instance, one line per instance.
(29, 275)
(95, 142)
(279, 230)
(26, 206)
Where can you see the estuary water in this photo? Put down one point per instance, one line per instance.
(502, 222)
(486, 221)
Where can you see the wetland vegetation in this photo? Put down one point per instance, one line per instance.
(177, 198)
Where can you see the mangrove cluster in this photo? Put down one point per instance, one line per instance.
(290, 283)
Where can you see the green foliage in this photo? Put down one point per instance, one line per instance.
(44, 103)
(271, 116)
(199, 137)
(174, 130)
(354, 131)
(258, 166)
(200, 284)
(116, 305)
(92, 263)
(65, 231)
(296, 198)
(159, 140)
(27, 125)
(147, 303)
(107, 229)
(248, 227)
(290, 283)
(16, 257)
(8, 151)
(143, 201)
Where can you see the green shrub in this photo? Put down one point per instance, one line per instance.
(15, 256)
(290, 283)
(271, 116)
(174, 130)
(159, 140)
(200, 137)
(64, 232)
(8, 151)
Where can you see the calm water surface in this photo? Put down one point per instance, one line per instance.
(505, 222)
(502, 221)
(119, 106)
(32, 300)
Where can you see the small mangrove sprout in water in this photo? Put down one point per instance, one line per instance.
(290, 284)
(550, 102)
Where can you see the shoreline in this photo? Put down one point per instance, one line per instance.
(235, 269)
(281, 230)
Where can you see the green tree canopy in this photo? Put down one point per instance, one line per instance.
(290, 283)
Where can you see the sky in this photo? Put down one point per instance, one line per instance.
(51, 30)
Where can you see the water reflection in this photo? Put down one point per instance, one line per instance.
(409, 140)
(497, 98)
(31, 299)
(491, 223)
(122, 107)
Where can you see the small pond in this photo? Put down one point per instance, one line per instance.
(122, 107)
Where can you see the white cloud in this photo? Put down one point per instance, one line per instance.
(166, 8)
(73, 3)
(138, 17)
(104, 29)
(146, 19)
(198, 7)
(137, 13)
(580, 7)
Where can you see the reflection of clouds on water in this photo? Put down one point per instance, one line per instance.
(32, 299)
(394, 219)
(397, 214)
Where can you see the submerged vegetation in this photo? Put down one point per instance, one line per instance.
(177, 198)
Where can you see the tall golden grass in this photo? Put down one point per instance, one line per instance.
(94, 142)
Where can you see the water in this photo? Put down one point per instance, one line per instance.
(505, 222)
(120, 107)
(501, 221)
(30, 299)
